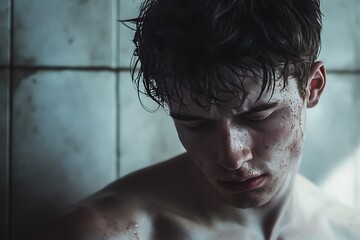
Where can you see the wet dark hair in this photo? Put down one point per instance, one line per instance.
(187, 44)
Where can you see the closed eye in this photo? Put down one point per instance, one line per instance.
(258, 118)
(191, 122)
(198, 124)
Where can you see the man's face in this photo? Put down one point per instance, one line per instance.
(248, 153)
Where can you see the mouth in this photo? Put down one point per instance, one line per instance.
(245, 185)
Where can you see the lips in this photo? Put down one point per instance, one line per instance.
(243, 185)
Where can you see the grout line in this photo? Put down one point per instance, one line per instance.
(4, 230)
(4, 157)
(118, 132)
(7, 160)
(4, 154)
(117, 88)
(5, 208)
(10, 121)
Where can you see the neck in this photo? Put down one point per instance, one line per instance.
(280, 211)
(267, 219)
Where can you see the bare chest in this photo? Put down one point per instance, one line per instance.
(194, 232)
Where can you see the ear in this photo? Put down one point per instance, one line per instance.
(316, 84)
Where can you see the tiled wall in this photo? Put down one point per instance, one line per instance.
(76, 123)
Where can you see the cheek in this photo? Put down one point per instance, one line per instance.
(276, 140)
(186, 140)
(297, 122)
(296, 147)
(195, 148)
(285, 141)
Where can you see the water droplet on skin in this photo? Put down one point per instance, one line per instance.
(131, 227)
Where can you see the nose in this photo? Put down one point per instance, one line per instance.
(234, 148)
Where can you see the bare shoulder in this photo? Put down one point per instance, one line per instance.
(339, 219)
(103, 216)
(344, 221)
(123, 210)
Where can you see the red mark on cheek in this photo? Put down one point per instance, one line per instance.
(295, 148)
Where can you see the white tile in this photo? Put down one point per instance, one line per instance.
(66, 33)
(341, 34)
(4, 32)
(146, 138)
(332, 138)
(4, 160)
(128, 9)
(64, 140)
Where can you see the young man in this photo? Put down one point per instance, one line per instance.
(237, 77)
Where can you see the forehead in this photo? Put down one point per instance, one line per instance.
(231, 103)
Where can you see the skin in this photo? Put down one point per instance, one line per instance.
(233, 143)
(181, 198)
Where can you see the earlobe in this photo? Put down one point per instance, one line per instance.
(316, 84)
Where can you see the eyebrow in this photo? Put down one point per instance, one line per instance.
(256, 109)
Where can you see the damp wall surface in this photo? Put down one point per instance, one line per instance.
(71, 122)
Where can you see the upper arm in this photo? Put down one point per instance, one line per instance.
(78, 224)
(105, 218)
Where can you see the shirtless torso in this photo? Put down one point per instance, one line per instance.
(161, 202)
(237, 78)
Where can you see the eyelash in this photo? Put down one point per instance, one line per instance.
(205, 124)
(199, 126)
(259, 122)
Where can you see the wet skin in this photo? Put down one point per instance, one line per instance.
(261, 138)
(238, 179)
